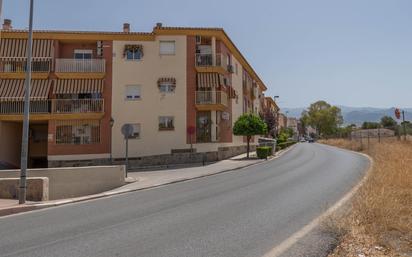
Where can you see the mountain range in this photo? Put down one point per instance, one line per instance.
(356, 115)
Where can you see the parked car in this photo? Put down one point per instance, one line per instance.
(311, 140)
(302, 140)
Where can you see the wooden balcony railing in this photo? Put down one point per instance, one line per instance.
(211, 98)
(19, 64)
(77, 106)
(80, 65)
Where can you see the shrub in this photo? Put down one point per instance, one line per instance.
(263, 152)
(284, 145)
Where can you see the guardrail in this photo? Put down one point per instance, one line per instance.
(80, 65)
(19, 64)
(211, 97)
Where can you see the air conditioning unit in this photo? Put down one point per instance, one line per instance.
(99, 50)
(230, 68)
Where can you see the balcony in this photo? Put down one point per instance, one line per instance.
(211, 100)
(80, 68)
(11, 109)
(15, 67)
(77, 106)
(16, 107)
(211, 63)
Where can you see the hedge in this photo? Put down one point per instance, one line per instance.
(263, 152)
(284, 145)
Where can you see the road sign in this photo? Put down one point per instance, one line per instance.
(127, 130)
(398, 113)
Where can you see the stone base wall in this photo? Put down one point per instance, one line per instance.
(175, 158)
(37, 188)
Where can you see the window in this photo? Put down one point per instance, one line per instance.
(166, 84)
(78, 132)
(133, 92)
(166, 123)
(167, 48)
(136, 131)
(133, 52)
(82, 54)
(167, 87)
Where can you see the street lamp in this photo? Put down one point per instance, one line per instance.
(111, 122)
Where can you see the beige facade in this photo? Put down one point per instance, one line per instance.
(146, 111)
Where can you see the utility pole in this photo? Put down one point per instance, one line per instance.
(25, 136)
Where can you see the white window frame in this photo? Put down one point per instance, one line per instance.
(132, 97)
(138, 134)
(167, 52)
(163, 119)
(134, 59)
(170, 86)
(83, 51)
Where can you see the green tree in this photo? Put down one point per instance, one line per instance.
(388, 122)
(249, 125)
(324, 117)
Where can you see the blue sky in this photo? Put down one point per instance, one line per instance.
(348, 52)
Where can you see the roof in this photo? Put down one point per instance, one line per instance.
(219, 33)
(271, 100)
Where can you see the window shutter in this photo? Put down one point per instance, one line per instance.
(167, 47)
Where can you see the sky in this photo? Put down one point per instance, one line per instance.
(347, 52)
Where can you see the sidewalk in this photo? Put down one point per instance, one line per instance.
(144, 180)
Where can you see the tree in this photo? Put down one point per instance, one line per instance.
(249, 125)
(270, 119)
(388, 122)
(324, 117)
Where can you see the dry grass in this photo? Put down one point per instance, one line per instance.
(380, 220)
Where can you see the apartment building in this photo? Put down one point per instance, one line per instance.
(181, 89)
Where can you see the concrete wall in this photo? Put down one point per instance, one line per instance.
(37, 189)
(152, 104)
(10, 142)
(75, 182)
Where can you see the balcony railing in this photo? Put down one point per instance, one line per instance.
(211, 97)
(16, 106)
(77, 106)
(80, 65)
(206, 60)
(19, 64)
(55, 106)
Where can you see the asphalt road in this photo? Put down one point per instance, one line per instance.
(239, 213)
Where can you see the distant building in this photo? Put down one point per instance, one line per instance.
(282, 121)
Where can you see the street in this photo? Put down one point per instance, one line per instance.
(245, 212)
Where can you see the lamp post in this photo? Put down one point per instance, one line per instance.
(111, 139)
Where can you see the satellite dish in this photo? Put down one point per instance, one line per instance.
(127, 130)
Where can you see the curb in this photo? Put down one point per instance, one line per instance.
(38, 206)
